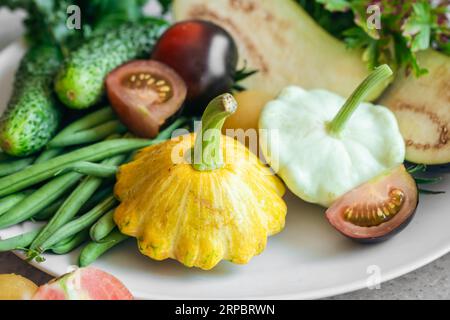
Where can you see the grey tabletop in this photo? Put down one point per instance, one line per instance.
(429, 282)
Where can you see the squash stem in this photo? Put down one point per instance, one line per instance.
(378, 76)
(207, 153)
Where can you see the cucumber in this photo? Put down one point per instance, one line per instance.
(32, 116)
(80, 82)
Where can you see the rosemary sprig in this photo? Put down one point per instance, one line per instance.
(415, 170)
(425, 191)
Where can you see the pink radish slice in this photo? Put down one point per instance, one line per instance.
(84, 284)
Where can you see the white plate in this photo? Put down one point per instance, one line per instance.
(307, 260)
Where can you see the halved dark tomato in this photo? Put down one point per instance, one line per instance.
(378, 209)
(145, 94)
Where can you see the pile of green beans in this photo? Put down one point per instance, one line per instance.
(69, 186)
(12, 166)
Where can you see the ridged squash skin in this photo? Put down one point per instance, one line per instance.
(199, 217)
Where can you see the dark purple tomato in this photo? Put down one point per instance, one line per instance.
(204, 55)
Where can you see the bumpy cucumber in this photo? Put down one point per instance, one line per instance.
(80, 82)
(32, 116)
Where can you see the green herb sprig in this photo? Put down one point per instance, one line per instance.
(46, 20)
(417, 171)
(407, 27)
(241, 75)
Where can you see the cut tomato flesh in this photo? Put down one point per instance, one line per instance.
(377, 209)
(145, 94)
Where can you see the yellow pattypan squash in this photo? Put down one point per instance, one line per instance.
(223, 204)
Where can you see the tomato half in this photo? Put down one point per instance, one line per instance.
(145, 94)
(378, 209)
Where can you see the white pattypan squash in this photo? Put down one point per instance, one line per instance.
(321, 152)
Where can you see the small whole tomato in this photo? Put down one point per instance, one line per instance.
(204, 55)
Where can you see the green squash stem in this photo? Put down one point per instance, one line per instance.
(372, 82)
(207, 153)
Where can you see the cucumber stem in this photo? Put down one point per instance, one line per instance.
(378, 76)
(207, 154)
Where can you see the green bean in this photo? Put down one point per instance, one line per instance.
(40, 172)
(103, 227)
(65, 241)
(73, 204)
(98, 117)
(97, 197)
(99, 151)
(49, 211)
(39, 199)
(5, 157)
(18, 242)
(90, 135)
(14, 166)
(68, 209)
(91, 169)
(71, 243)
(93, 250)
(10, 201)
(48, 154)
(166, 134)
(79, 224)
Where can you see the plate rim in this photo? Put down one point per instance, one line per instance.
(317, 294)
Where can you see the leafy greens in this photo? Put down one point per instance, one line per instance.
(407, 27)
(46, 20)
